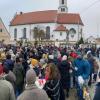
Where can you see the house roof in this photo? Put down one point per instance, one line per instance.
(49, 16)
(61, 28)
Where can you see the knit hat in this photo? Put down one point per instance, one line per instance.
(42, 61)
(30, 77)
(34, 62)
(64, 58)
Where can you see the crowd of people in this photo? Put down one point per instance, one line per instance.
(47, 72)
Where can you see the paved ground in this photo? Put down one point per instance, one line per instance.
(73, 95)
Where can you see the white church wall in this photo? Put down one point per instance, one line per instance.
(77, 28)
(59, 35)
(29, 29)
(53, 35)
(20, 31)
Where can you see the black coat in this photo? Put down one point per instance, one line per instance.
(97, 92)
(64, 68)
(54, 90)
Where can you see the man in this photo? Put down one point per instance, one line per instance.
(9, 63)
(6, 89)
(19, 73)
(82, 70)
(91, 60)
(31, 91)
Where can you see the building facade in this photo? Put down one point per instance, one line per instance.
(58, 25)
(4, 34)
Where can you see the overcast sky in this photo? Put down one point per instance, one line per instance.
(89, 11)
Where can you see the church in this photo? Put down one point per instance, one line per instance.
(57, 25)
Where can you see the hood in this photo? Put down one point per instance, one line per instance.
(63, 62)
(30, 77)
(18, 66)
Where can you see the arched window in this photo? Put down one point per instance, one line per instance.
(81, 30)
(72, 32)
(60, 33)
(35, 32)
(24, 33)
(62, 1)
(62, 9)
(47, 32)
(15, 33)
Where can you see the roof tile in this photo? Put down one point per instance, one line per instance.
(49, 16)
(61, 28)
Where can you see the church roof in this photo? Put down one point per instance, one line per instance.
(49, 16)
(61, 28)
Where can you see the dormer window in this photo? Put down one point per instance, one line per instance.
(62, 9)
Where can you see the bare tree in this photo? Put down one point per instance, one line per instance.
(39, 33)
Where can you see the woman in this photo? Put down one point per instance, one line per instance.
(53, 86)
(19, 73)
(64, 68)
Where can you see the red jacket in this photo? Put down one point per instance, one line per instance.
(1, 69)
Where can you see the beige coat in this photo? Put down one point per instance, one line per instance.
(33, 93)
(6, 90)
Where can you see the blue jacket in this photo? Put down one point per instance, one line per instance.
(83, 68)
(9, 64)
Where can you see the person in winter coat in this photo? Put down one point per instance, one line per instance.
(10, 76)
(53, 86)
(35, 66)
(8, 62)
(91, 60)
(19, 73)
(64, 68)
(82, 67)
(42, 65)
(82, 72)
(6, 89)
(32, 92)
(96, 68)
(97, 91)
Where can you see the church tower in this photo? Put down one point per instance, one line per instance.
(62, 6)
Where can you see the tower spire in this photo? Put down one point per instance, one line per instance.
(62, 6)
